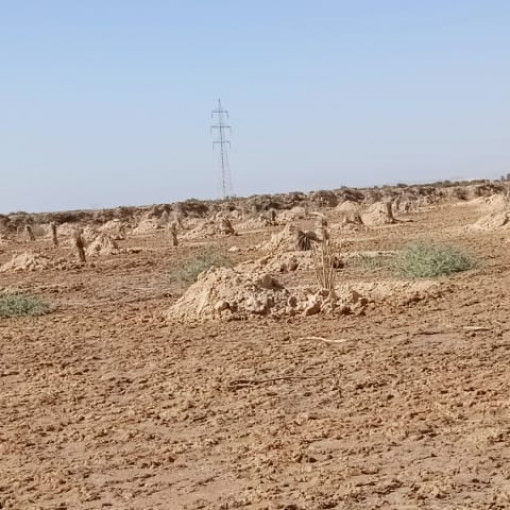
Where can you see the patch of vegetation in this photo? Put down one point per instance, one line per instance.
(429, 260)
(187, 271)
(18, 305)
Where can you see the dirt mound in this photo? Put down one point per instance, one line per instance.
(102, 245)
(147, 227)
(226, 293)
(115, 229)
(252, 224)
(349, 213)
(379, 213)
(493, 221)
(286, 263)
(281, 263)
(283, 241)
(27, 261)
(296, 213)
(324, 198)
(200, 229)
(89, 232)
(68, 229)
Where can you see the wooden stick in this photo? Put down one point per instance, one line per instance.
(319, 338)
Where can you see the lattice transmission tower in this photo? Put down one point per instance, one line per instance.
(222, 130)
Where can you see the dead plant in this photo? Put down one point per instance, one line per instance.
(79, 246)
(173, 233)
(30, 232)
(54, 237)
(326, 262)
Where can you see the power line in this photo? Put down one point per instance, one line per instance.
(221, 129)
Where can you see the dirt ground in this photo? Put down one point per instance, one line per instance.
(105, 403)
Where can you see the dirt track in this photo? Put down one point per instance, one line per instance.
(104, 404)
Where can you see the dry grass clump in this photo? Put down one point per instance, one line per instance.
(30, 232)
(187, 271)
(54, 236)
(326, 261)
(18, 305)
(428, 260)
(79, 247)
(172, 229)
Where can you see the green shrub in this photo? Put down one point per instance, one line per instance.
(428, 260)
(18, 305)
(187, 271)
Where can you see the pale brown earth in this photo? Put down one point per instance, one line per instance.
(105, 403)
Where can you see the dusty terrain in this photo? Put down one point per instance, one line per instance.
(107, 403)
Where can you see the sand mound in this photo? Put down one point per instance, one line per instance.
(68, 229)
(114, 229)
(349, 213)
(379, 213)
(102, 245)
(89, 232)
(285, 263)
(27, 261)
(146, 227)
(347, 206)
(252, 224)
(296, 213)
(493, 221)
(493, 203)
(226, 293)
(201, 229)
(283, 241)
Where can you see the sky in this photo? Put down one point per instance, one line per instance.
(108, 102)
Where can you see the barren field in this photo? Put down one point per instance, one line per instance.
(113, 401)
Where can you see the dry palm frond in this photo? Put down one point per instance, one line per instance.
(305, 240)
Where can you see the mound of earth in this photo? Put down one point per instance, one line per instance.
(201, 229)
(286, 262)
(102, 245)
(27, 261)
(226, 293)
(89, 232)
(68, 229)
(114, 229)
(349, 213)
(296, 213)
(379, 213)
(282, 241)
(493, 221)
(252, 224)
(146, 227)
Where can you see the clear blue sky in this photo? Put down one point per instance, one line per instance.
(107, 102)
